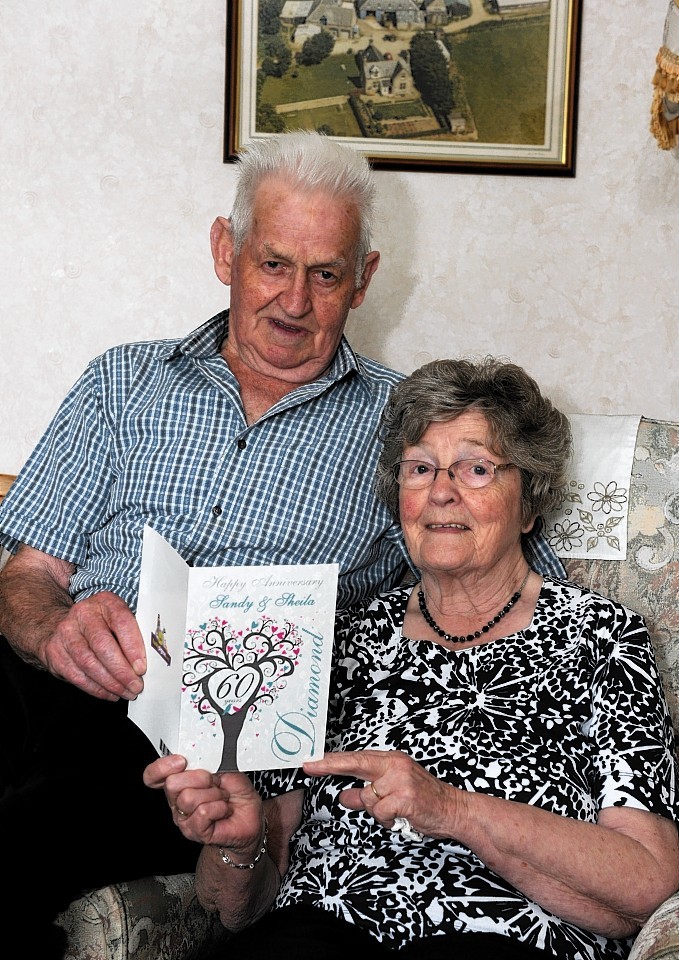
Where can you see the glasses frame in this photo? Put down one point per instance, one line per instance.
(396, 469)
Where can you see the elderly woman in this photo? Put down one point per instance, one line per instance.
(500, 776)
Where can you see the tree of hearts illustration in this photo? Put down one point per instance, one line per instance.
(234, 672)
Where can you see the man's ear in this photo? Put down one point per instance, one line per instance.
(372, 262)
(221, 244)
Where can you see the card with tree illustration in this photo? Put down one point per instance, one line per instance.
(238, 659)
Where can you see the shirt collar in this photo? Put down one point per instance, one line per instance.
(206, 341)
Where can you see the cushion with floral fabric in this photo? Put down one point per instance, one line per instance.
(648, 580)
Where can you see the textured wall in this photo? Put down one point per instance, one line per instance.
(111, 174)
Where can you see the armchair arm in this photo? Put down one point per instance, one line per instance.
(659, 937)
(154, 918)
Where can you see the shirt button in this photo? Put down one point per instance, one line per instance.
(217, 510)
(241, 444)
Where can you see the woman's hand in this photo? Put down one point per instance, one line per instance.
(395, 786)
(210, 808)
(606, 877)
(224, 812)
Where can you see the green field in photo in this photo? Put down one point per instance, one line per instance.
(504, 69)
(339, 120)
(326, 79)
(399, 110)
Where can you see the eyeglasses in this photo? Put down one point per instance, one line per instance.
(418, 474)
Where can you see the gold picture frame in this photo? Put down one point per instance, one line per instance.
(484, 86)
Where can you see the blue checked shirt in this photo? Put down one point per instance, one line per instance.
(155, 433)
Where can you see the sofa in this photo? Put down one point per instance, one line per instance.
(159, 918)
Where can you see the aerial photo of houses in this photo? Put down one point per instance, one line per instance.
(440, 70)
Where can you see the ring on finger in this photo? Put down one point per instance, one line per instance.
(372, 787)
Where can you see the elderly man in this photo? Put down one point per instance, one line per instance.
(250, 441)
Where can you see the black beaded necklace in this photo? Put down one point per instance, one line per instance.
(470, 636)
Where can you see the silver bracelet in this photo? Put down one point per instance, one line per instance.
(248, 866)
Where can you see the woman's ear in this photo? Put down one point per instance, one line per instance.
(533, 525)
(221, 244)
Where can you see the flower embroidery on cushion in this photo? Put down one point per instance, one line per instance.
(566, 535)
(607, 498)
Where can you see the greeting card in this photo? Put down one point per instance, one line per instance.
(238, 659)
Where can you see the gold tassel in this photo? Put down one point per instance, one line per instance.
(665, 104)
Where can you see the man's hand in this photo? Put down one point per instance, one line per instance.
(97, 647)
(95, 644)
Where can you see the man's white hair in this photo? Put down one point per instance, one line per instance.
(306, 160)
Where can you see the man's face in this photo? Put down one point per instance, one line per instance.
(293, 282)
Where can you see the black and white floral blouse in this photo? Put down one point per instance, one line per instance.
(567, 714)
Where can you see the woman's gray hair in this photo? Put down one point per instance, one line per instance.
(524, 427)
(308, 161)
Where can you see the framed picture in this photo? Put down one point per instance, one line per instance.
(485, 86)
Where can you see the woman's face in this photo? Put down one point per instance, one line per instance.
(452, 528)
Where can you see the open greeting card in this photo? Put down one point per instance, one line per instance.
(238, 660)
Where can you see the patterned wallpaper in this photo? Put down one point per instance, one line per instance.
(111, 173)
